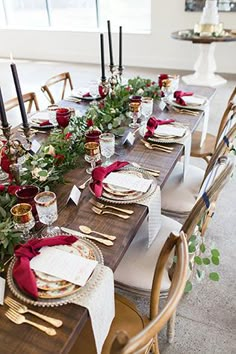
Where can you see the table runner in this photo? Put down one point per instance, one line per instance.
(98, 297)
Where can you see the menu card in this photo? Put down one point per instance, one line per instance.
(194, 100)
(168, 129)
(63, 265)
(128, 181)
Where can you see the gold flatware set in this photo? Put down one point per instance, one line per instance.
(185, 111)
(102, 212)
(157, 147)
(16, 311)
(104, 206)
(97, 239)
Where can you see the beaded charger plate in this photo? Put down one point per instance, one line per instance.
(53, 291)
(199, 107)
(118, 195)
(168, 139)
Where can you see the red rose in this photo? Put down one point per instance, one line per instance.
(89, 123)
(59, 159)
(128, 88)
(101, 105)
(12, 189)
(148, 85)
(2, 188)
(68, 135)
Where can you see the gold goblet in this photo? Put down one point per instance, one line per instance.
(92, 155)
(135, 109)
(23, 219)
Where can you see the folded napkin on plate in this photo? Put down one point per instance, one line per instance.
(153, 123)
(87, 94)
(99, 173)
(45, 122)
(178, 97)
(22, 273)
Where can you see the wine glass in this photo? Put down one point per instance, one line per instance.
(92, 155)
(3, 175)
(107, 146)
(147, 107)
(135, 109)
(23, 219)
(46, 206)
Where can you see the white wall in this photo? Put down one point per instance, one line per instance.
(156, 50)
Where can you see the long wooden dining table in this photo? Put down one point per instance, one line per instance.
(25, 339)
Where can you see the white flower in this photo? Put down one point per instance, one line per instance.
(49, 150)
(140, 92)
(112, 111)
(35, 172)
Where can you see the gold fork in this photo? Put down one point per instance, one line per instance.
(19, 319)
(101, 212)
(156, 147)
(104, 206)
(20, 308)
(185, 111)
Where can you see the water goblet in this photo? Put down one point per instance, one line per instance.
(107, 146)
(135, 109)
(147, 107)
(26, 194)
(63, 117)
(23, 219)
(92, 154)
(46, 206)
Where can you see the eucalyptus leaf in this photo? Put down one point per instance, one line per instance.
(214, 276)
(191, 248)
(202, 247)
(215, 253)
(198, 260)
(215, 260)
(206, 261)
(188, 286)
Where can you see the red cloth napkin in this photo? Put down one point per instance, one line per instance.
(22, 273)
(45, 122)
(99, 173)
(161, 78)
(153, 123)
(178, 97)
(87, 94)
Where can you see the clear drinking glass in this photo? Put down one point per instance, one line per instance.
(107, 146)
(23, 219)
(147, 107)
(92, 155)
(46, 206)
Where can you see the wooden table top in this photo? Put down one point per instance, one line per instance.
(26, 339)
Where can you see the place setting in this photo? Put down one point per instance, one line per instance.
(185, 102)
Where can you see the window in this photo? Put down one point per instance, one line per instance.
(89, 15)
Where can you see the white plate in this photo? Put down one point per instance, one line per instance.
(39, 117)
(197, 106)
(79, 94)
(163, 140)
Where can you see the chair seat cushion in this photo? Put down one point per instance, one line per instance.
(178, 196)
(136, 269)
(206, 149)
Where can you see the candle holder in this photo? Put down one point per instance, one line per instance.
(103, 87)
(113, 81)
(120, 72)
(15, 149)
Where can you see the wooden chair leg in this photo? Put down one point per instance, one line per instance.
(171, 328)
(155, 347)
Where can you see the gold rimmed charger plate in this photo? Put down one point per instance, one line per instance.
(133, 198)
(120, 191)
(56, 297)
(194, 107)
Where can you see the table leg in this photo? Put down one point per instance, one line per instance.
(205, 67)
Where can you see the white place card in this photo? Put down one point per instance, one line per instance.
(35, 146)
(162, 105)
(74, 195)
(129, 139)
(2, 290)
(128, 181)
(63, 265)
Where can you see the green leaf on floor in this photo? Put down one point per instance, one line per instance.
(188, 287)
(214, 276)
(215, 260)
(198, 260)
(202, 247)
(215, 253)
(206, 261)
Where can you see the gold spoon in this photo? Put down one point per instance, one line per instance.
(87, 230)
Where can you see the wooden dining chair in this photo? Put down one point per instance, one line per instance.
(207, 149)
(29, 98)
(135, 271)
(131, 332)
(178, 196)
(64, 78)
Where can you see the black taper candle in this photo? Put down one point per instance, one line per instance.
(110, 43)
(120, 47)
(103, 77)
(19, 95)
(3, 112)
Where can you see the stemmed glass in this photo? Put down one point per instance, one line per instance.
(135, 109)
(23, 219)
(107, 146)
(3, 175)
(147, 107)
(46, 206)
(92, 155)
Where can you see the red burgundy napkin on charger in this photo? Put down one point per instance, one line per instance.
(99, 173)
(87, 94)
(45, 122)
(153, 123)
(178, 97)
(22, 272)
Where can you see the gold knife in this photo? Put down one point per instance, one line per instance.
(80, 234)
